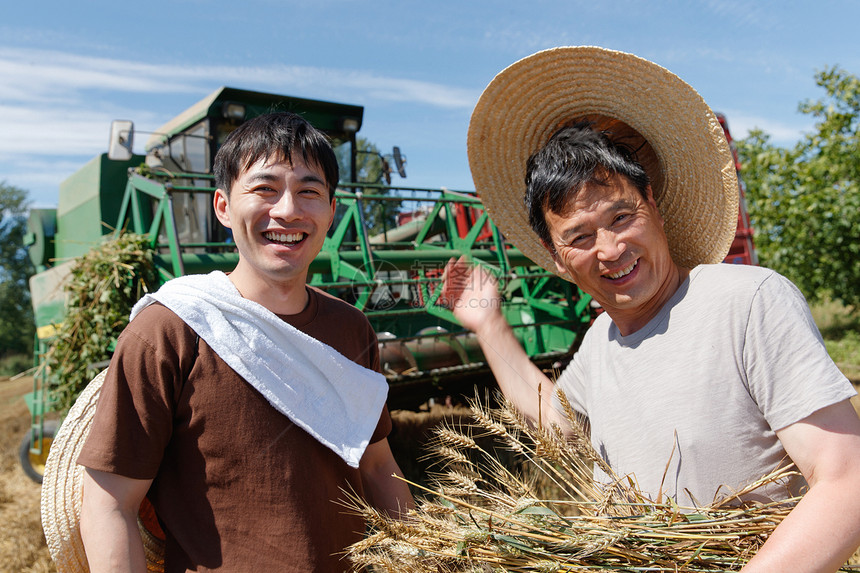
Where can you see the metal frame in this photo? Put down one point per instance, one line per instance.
(547, 313)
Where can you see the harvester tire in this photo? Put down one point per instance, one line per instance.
(34, 464)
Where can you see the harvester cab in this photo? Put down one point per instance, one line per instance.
(384, 253)
(187, 145)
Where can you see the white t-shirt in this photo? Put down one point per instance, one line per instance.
(731, 357)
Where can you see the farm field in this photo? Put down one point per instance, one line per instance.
(22, 544)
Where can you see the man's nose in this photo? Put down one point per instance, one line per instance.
(285, 207)
(609, 245)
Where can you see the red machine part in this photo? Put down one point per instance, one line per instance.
(742, 250)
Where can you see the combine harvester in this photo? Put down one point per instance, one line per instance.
(391, 274)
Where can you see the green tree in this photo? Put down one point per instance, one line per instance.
(804, 202)
(16, 314)
(369, 163)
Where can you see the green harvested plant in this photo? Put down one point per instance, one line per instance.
(103, 286)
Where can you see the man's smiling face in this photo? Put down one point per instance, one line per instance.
(609, 239)
(279, 213)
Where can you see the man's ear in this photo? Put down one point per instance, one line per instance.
(649, 198)
(554, 254)
(333, 208)
(220, 204)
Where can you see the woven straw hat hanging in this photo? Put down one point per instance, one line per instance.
(62, 491)
(678, 139)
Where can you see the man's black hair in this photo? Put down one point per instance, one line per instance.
(279, 134)
(575, 156)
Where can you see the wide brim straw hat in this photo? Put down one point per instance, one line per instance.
(62, 491)
(675, 135)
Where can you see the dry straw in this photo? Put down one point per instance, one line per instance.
(483, 516)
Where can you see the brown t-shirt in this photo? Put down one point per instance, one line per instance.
(236, 485)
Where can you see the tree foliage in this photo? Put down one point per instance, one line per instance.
(804, 202)
(16, 314)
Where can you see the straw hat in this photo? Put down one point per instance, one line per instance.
(680, 143)
(62, 491)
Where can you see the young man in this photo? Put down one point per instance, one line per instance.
(698, 378)
(244, 406)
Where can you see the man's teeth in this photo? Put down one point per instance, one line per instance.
(623, 272)
(284, 237)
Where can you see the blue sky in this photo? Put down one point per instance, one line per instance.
(68, 68)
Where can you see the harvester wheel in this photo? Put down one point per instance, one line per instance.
(34, 464)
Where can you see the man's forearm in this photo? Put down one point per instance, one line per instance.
(112, 544)
(822, 532)
(382, 489)
(389, 494)
(818, 536)
(520, 380)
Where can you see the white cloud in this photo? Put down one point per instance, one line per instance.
(52, 76)
(56, 108)
(51, 131)
(61, 104)
(40, 76)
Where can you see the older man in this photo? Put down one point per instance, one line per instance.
(699, 378)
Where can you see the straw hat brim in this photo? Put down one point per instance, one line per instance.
(62, 490)
(680, 143)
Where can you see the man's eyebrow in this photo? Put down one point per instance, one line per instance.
(312, 178)
(271, 177)
(621, 205)
(262, 176)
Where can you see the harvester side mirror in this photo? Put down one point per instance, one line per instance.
(121, 140)
(399, 161)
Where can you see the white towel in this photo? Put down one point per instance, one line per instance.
(328, 395)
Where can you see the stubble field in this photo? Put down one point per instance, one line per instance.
(22, 544)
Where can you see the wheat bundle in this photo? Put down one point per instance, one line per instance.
(482, 515)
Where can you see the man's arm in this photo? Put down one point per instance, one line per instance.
(472, 294)
(109, 522)
(821, 533)
(381, 489)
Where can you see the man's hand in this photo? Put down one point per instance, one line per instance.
(471, 293)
